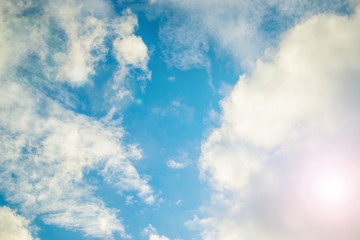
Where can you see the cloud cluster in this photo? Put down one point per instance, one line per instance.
(13, 226)
(69, 39)
(285, 129)
(47, 150)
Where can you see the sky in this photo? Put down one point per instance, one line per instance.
(181, 120)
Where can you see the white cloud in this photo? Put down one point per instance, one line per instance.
(157, 237)
(176, 108)
(129, 200)
(181, 160)
(239, 28)
(185, 43)
(46, 150)
(171, 79)
(70, 40)
(18, 36)
(176, 165)
(13, 226)
(130, 51)
(152, 233)
(85, 36)
(297, 113)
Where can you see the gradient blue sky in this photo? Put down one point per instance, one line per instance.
(173, 119)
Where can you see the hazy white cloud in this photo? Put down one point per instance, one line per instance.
(13, 226)
(18, 36)
(172, 78)
(177, 108)
(181, 160)
(184, 44)
(129, 200)
(285, 130)
(241, 29)
(176, 165)
(152, 233)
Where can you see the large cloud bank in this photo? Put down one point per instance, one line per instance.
(284, 162)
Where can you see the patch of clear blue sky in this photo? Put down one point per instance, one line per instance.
(168, 135)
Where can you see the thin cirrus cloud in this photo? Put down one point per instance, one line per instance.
(47, 149)
(240, 29)
(286, 129)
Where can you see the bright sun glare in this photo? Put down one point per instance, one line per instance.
(328, 191)
(331, 188)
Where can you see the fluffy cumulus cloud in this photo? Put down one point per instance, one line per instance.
(129, 49)
(241, 29)
(151, 232)
(284, 162)
(47, 150)
(13, 226)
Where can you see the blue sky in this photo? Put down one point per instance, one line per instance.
(178, 120)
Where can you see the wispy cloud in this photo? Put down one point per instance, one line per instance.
(180, 161)
(176, 165)
(176, 108)
(240, 29)
(47, 149)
